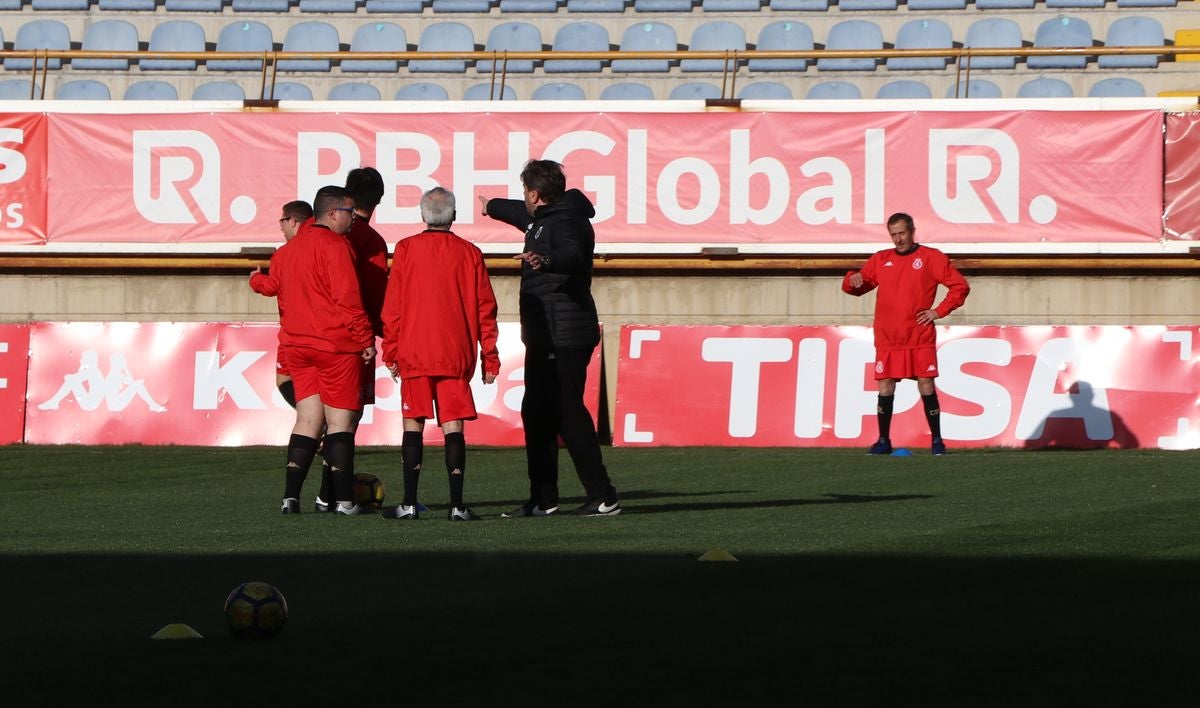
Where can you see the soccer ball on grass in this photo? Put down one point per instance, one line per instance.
(368, 490)
(255, 610)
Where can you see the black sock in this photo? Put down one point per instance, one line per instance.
(412, 449)
(933, 414)
(288, 391)
(339, 453)
(300, 453)
(884, 413)
(456, 466)
(326, 492)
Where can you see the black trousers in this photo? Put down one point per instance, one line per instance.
(553, 408)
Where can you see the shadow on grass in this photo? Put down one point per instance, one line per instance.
(594, 629)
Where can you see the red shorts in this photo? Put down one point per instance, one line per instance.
(281, 368)
(336, 378)
(452, 396)
(906, 364)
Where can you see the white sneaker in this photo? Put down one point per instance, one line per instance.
(402, 513)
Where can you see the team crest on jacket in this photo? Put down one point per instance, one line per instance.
(879, 367)
(918, 264)
(537, 234)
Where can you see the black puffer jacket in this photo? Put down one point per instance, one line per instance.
(557, 310)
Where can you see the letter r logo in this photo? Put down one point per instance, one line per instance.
(167, 164)
(964, 162)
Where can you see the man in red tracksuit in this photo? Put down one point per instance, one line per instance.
(439, 311)
(329, 341)
(905, 340)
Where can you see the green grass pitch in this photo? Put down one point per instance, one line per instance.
(984, 578)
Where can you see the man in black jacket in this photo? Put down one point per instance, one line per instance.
(560, 329)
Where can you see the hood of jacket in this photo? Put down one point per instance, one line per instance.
(572, 200)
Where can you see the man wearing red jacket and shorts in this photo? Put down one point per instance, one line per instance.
(329, 341)
(905, 340)
(439, 308)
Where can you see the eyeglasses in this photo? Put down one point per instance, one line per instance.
(287, 218)
(349, 209)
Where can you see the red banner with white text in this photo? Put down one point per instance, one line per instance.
(14, 365)
(214, 384)
(1000, 177)
(1045, 386)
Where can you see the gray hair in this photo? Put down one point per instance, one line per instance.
(437, 207)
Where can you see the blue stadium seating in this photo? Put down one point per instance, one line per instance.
(646, 37)
(714, 36)
(990, 33)
(82, 90)
(260, 5)
(577, 37)
(765, 90)
(1145, 3)
(192, 5)
(482, 6)
(1133, 32)
(68, 5)
(422, 92)
(904, 89)
(730, 5)
(1117, 88)
(395, 6)
(174, 36)
(309, 37)
(376, 37)
(219, 91)
(1075, 3)
(151, 91)
(354, 92)
(799, 5)
(108, 35)
(14, 5)
(513, 37)
(1045, 87)
(127, 5)
(18, 90)
(1003, 4)
(922, 34)
(783, 34)
(558, 92)
(330, 6)
(488, 92)
(975, 88)
(695, 91)
(852, 34)
(243, 36)
(663, 5)
(628, 91)
(877, 5)
(833, 90)
(1062, 31)
(529, 6)
(596, 5)
(288, 91)
(39, 34)
(443, 37)
(937, 4)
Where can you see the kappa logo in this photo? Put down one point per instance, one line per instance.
(90, 386)
(932, 368)
(887, 264)
(918, 264)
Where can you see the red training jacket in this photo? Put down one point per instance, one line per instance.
(370, 262)
(319, 302)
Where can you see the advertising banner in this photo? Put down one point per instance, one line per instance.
(14, 365)
(756, 178)
(1181, 183)
(23, 184)
(214, 384)
(1036, 387)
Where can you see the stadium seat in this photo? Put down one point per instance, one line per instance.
(628, 91)
(905, 89)
(376, 37)
(730, 5)
(990, 33)
(1004, 4)
(681, 6)
(354, 91)
(937, 4)
(833, 90)
(1075, 3)
(151, 91)
(1133, 32)
(480, 6)
(244, 36)
(61, 5)
(577, 37)
(329, 6)
(11, 5)
(108, 35)
(596, 5)
(1145, 3)
(761, 90)
(799, 5)
(558, 92)
(1187, 38)
(174, 36)
(852, 34)
(1061, 31)
(1045, 87)
(877, 5)
(715, 36)
(784, 34)
(18, 90)
(512, 37)
(395, 6)
(127, 5)
(646, 37)
(1117, 88)
(975, 88)
(82, 90)
(39, 34)
(488, 92)
(529, 6)
(288, 91)
(443, 37)
(422, 92)
(260, 5)
(192, 5)
(922, 34)
(695, 91)
(309, 37)
(219, 91)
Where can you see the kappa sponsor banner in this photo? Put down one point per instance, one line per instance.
(23, 178)
(1181, 183)
(1045, 386)
(14, 365)
(788, 178)
(214, 384)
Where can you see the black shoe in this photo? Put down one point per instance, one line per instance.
(882, 446)
(402, 513)
(322, 507)
(463, 514)
(356, 510)
(529, 509)
(290, 506)
(938, 448)
(599, 507)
